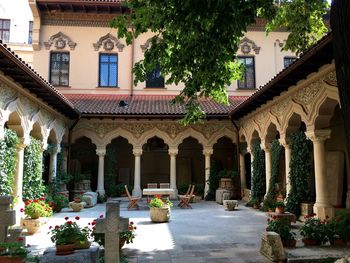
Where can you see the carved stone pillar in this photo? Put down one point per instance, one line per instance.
(242, 172)
(322, 206)
(287, 155)
(267, 148)
(173, 151)
(53, 163)
(137, 151)
(208, 151)
(101, 152)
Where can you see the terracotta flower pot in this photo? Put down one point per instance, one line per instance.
(82, 245)
(255, 206)
(8, 259)
(310, 242)
(339, 242)
(65, 249)
(32, 225)
(279, 210)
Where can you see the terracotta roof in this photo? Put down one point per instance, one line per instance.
(13, 66)
(310, 61)
(144, 105)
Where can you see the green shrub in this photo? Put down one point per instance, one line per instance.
(258, 174)
(8, 160)
(115, 190)
(213, 181)
(276, 150)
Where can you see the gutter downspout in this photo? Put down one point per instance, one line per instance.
(132, 67)
(70, 140)
(237, 152)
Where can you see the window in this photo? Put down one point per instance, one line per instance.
(288, 61)
(108, 75)
(248, 81)
(59, 68)
(5, 30)
(155, 79)
(30, 35)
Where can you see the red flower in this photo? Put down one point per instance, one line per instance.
(134, 227)
(131, 223)
(50, 203)
(77, 218)
(42, 199)
(57, 227)
(69, 222)
(20, 239)
(22, 210)
(28, 245)
(93, 223)
(35, 201)
(66, 218)
(50, 227)
(131, 228)
(101, 216)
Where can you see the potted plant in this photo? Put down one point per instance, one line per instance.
(338, 229)
(283, 228)
(255, 203)
(13, 252)
(159, 210)
(77, 205)
(269, 204)
(313, 231)
(78, 198)
(69, 236)
(58, 201)
(279, 207)
(34, 209)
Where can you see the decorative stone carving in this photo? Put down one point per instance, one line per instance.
(331, 79)
(246, 45)
(137, 151)
(108, 42)
(279, 108)
(137, 128)
(147, 44)
(208, 129)
(173, 151)
(279, 43)
(60, 41)
(306, 95)
(6, 93)
(271, 247)
(172, 129)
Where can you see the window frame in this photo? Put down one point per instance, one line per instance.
(245, 74)
(50, 73)
(155, 86)
(99, 70)
(288, 57)
(2, 29)
(30, 32)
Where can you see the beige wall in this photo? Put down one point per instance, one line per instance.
(84, 60)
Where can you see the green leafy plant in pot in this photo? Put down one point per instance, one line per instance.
(14, 252)
(159, 210)
(283, 228)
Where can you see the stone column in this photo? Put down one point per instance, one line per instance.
(101, 152)
(242, 172)
(173, 151)
(322, 206)
(287, 155)
(208, 151)
(267, 148)
(137, 151)
(249, 150)
(53, 163)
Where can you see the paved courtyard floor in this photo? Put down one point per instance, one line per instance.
(206, 233)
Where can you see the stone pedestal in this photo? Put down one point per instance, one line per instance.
(305, 209)
(246, 194)
(90, 198)
(7, 216)
(219, 195)
(272, 247)
(77, 206)
(90, 255)
(230, 205)
(288, 217)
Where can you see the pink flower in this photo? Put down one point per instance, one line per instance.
(22, 210)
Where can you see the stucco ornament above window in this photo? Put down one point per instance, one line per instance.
(60, 41)
(108, 42)
(148, 43)
(246, 45)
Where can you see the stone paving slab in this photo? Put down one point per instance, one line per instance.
(316, 254)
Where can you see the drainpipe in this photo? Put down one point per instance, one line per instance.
(70, 140)
(238, 151)
(132, 66)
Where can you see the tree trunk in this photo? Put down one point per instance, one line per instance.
(340, 24)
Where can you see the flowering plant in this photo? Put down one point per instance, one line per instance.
(13, 249)
(69, 233)
(314, 229)
(339, 227)
(281, 227)
(57, 201)
(129, 234)
(37, 208)
(158, 203)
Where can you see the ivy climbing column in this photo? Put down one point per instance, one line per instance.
(101, 152)
(322, 207)
(242, 172)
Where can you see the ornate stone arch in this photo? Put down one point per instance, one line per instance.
(246, 45)
(89, 134)
(152, 133)
(225, 133)
(271, 120)
(60, 41)
(119, 133)
(288, 113)
(191, 133)
(108, 42)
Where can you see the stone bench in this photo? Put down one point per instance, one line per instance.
(90, 255)
(90, 198)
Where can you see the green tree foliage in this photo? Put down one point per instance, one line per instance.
(258, 173)
(8, 160)
(300, 172)
(33, 186)
(276, 150)
(195, 42)
(214, 180)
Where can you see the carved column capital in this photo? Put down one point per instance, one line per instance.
(173, 151)
(137, 151)
(318, 135)
(266, 146)
(23, 142)
(207, 151)
(284, 141)
(101, 150)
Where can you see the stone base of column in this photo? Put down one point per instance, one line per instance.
(324, 210)
(17, 207)
(101, 192)
(174, 196)
(136, 192)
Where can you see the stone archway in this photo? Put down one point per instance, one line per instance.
(155, 162)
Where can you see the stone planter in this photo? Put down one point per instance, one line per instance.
(225, 183)
(160, 215)
(230, 205)
(338, 242)
(32, 225)
(77, 207)
(311, 242)
(305, 209)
